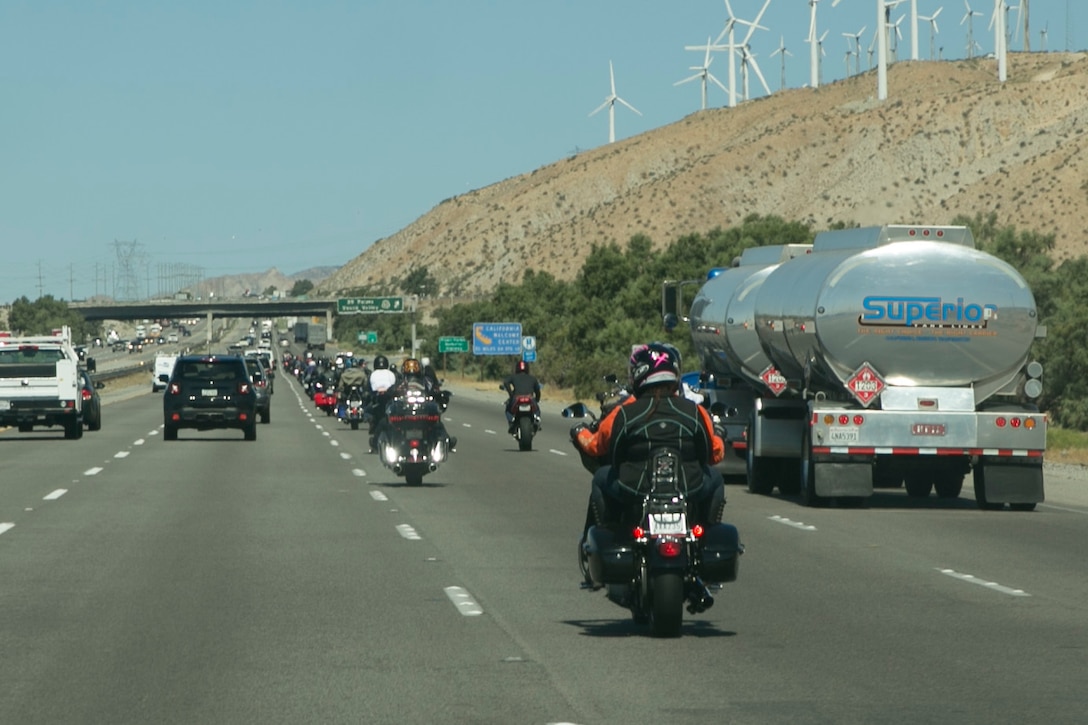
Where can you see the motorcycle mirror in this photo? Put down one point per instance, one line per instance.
(578, 410)
(718, 409)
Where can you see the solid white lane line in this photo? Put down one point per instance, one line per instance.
(794, 524)
(55, 495)
(970, 579)
(408, 532)
(93, 471)
(466, 605)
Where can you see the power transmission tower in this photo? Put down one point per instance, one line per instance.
(126, 285)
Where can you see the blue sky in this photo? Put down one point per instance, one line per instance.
(233, 136)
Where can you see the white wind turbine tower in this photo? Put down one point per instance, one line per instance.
(820, 53)
(1042, 37)
(969, 18)
(997, 22)
(781, 50)
(914, 18)
(703, 72)
(610, 104)
(814, 44)
(933, 30)
(731, 47)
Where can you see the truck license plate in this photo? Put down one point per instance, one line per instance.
(927, 429)
(843, 435)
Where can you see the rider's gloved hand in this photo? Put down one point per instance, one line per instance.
(576, 429)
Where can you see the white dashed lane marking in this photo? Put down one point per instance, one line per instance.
(93, 471)
(6, 527)
(408, 532)
(794, 524)
(55, 495)
(971, 579)
(464, 602)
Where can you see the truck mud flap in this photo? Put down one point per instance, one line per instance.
(610, 561)
(1011, 482)
(719, 555)
(844, 479)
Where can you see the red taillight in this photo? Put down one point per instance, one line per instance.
(243, 388)
(697, 531)
(1000, 422)
(86, 395)
(669, 548)
(844, 419)
(638, 532)
(413, 443)
(859, 419)
(1015, 422)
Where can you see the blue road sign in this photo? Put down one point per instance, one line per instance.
(496, 338)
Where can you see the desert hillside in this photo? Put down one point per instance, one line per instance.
(949, 140)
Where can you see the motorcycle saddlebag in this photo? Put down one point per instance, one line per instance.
(720, 555)
(610, 561)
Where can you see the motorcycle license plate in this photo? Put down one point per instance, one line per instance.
(668, 524)
(525, 408)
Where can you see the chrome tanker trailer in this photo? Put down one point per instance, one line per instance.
(722, 319)
(886, 356)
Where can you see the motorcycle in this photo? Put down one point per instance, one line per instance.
(524, 415)
(411, 443)
(652, 558)
(351, 409)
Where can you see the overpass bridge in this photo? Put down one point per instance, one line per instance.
(209, 309)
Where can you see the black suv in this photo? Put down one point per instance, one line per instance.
(209, 391)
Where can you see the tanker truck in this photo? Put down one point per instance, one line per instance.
(888, 356)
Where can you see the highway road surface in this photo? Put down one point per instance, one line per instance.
(295, 580)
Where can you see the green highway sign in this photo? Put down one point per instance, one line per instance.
(453, 344)
(368, 305)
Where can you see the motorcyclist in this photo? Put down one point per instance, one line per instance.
(655, 415)
(520, 382)
(383, 383)
(414, 381)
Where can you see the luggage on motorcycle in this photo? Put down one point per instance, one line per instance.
(720, 551)
(611, 560)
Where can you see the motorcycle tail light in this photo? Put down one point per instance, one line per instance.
(669, 548)
(638, 532)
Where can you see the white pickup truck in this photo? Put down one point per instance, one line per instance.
(40, 384)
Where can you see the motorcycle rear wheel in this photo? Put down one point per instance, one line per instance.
(525, 434)
(666, 604)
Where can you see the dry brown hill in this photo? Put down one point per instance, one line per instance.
(949, 140)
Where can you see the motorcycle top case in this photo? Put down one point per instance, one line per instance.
(719, 555)
(611, 559)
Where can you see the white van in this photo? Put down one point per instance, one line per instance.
(164, 368)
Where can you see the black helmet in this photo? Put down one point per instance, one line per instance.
(653, 364)
(381, 362)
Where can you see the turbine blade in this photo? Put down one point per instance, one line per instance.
(628, 105)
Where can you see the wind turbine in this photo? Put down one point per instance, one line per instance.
(969, 19)
(610, 104)
(857, 46)
(748, 58)
(914, 18)
(1042, 37)
(703, 72)
(781, 50)
(933, 29)
(814, 44)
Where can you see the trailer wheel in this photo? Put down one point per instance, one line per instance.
(918, 483)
